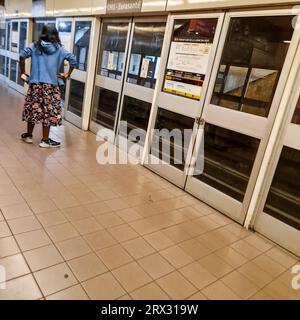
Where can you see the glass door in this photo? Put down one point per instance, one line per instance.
(75, 35)
(3, 49)
(141, 75)
(20, 38)
(112, 55)
(278, 215)
(186, 64)
(252, 68)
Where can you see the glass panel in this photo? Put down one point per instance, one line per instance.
(23, 35)
(136, 113)
(2, 65)
(76, 97)
(145, 53)
(283, 202)
(228, 160)
(189, 54)
(112, 50)
(13, 70)
(82, 43)
(172, 151)
(2, 35)
(8, 37)
(7, 67)
(296, 117)
(105, 107)
(14, 37)
(251, 63)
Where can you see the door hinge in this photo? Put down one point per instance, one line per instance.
(200, 121)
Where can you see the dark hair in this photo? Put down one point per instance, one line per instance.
(49, 34)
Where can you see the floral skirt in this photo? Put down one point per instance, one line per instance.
(43, 105)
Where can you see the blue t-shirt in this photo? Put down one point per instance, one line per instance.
(47, 62)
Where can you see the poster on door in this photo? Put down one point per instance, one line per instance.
(188, 60)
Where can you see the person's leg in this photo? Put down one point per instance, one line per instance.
(30, 127)
(46, 132)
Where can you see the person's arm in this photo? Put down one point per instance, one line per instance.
(72, 62)
(25, 54)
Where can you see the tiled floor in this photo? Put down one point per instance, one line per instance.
(73, 229)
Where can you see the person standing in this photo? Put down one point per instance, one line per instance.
(43, 99)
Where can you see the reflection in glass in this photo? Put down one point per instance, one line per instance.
(112, 50)
(76, 97)
(2, 35)
(13, 70)
(176, 148)
(136, 113)
(145, 53)
(23, 35)
(251, 63)
(228, 160)
(296, 117)
(6, 66)
(105, 107)
(82, 43)
(2, 65)
(14, 36)
(283, 202)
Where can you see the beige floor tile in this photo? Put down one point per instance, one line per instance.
(126, 297)
(16, 211)
(138, 248)
(4, 230)
(114, 257)
(15, 266)
(177, 257)
(42, 258)
(109, 220)
(204, 209)
(194, 249)
(262, 295)
(54, 279)
(150, 292)
(86, 226)
(62, 232)
(245, 249)
(65, 201)
(131, 276)
(23, 288)
(232, 257)
(268, 265)
(176, 286)
(143, 227)
(104, 287)
(73, 248)
(87, 267)
(73, 293)
(259, 242)
(41, 206)
(129, 215)
(123, 233)
(116, 204)
(240, 285)
(76, 213)
(279, 291)
(255, 274)
(11, 200)
(158, 240)
(206, 224)
(215, 265)
(210, 241)
(32, 240)
(100, 239)
(8, 247)
(198, 296)
(98, 208)
(87, 197)
(25, 224)
(177, 234)
(280, 256)
(50, 219)
(218, 291)
(156, 266)
(198, 275)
